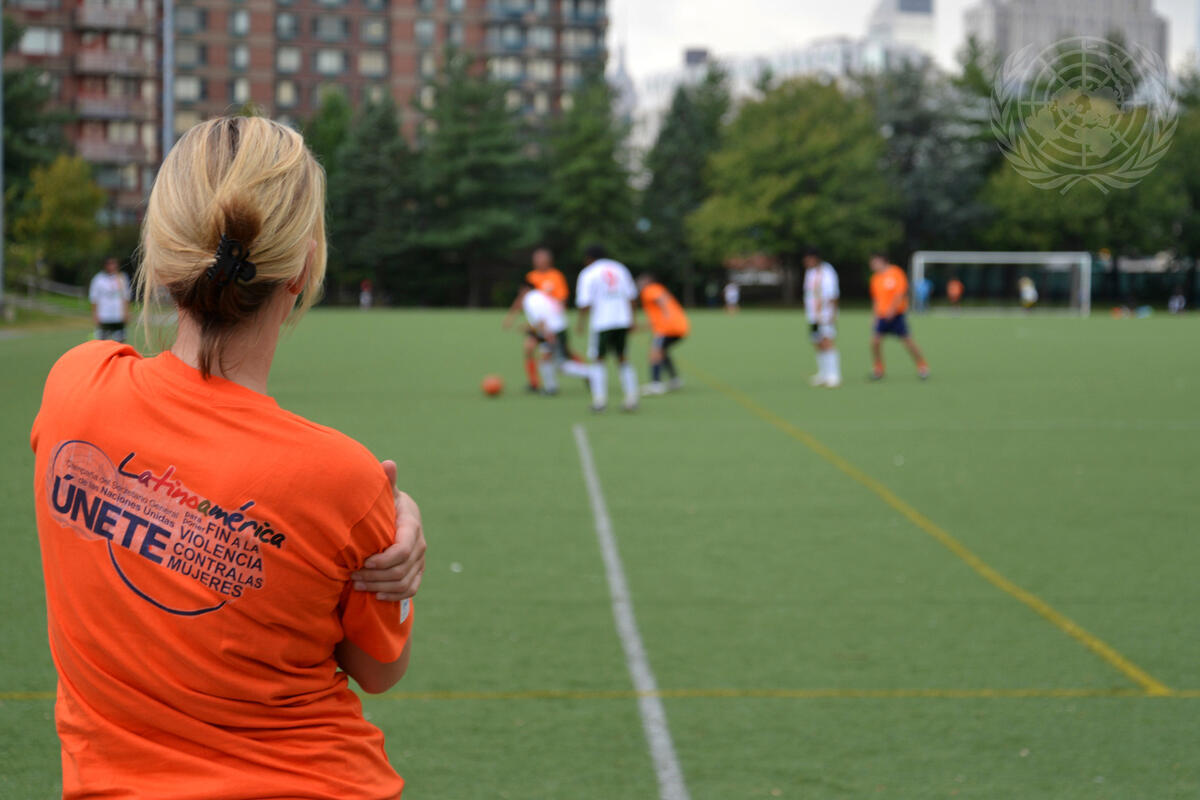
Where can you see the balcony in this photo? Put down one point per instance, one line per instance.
(111, 19)
(105, 62)
(103, 107)
(99, 151)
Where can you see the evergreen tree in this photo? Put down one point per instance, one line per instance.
(372, 200)
(328, 128)
(477, 180)
(690, 133)
(589, 198)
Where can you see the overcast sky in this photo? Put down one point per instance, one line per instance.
(655, 32)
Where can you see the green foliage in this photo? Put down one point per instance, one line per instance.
(58, 226)
(371, 203)
(33, 135)
(329, 127)
(677, 164)
(476, 180)
(805, 165)
(589, 197)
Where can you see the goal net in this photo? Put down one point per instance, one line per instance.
(994, 281)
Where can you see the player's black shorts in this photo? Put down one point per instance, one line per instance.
(896, 326)
(559, 349)
(112, 331)
(611, 342)
(532, 334)
(664, 343)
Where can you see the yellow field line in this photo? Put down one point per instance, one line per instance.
(775, 694)
(1149, 684)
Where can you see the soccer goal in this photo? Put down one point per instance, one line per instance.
(994, 281)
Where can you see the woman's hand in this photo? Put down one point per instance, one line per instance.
(395, 574)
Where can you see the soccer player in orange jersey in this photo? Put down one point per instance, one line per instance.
(889, 295)
(669, 326)
(544, 277)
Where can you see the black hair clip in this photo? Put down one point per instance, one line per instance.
(231, 263)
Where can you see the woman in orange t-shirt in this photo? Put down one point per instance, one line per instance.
(201, 546)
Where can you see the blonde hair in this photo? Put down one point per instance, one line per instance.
(249, 179)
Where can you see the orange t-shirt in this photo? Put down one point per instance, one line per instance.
(668, 321)
(197, 542)
(889, 290)
(550, 281)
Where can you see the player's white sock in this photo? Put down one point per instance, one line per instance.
(549, 376)
(575, 369)
(822, 365)
(599, 375)
(833, 370)
(629, 383)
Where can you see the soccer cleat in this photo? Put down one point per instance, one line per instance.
(531, 389)
(875, 375)
(817, 380)
(598, 409)
(550, 392)
(923, 373)
(675, 384)
(629, 406)
(655, 388)
(833, 383)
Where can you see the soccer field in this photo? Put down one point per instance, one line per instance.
(982, 586)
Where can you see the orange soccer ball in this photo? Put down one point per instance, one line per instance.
(492, 385)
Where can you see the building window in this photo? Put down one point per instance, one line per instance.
(331, 3)
(425, 31)
(513, 99)
(566, 102)
(239, 56)
(505, 69)
(239, 90)
(541, 69)
(425, 5)
(428, 65)
(330, 62)
(287, 59)
(510, 36)
(329, 29)
(185, 121)
(239, 22)
(188, 88)
(455, 6)
(375, 5)
(123, 132)
(286, 26)
(285, 94)
(428, 97)
(373, 93)
(454, 33)
(571, 72)
(542, 37)
(189, 54)
(373, 30)
(41, 42)
(189, 19)
(541, 102)
(541, 7)
(372, 63)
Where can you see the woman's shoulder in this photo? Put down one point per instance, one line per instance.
(81, 363)
(337, 460)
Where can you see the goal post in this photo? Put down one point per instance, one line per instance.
(1078, 264)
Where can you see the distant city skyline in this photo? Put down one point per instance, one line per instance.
(655, 34)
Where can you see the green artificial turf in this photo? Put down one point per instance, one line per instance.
(812, 642)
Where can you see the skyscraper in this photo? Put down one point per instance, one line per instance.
(905, 23)
(1006, 26)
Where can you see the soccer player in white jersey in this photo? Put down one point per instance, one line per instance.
(109, 295)
(605, 295)
(548, 322)
(821, 295)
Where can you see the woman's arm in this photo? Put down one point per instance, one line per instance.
(373, 676)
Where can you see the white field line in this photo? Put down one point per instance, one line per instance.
(671, 785)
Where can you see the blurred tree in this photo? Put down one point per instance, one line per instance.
(805, 165)
(589, 197)
(58, 226)
(329, 127)
(372, 200)
(678, 161)
(476, 179)
(937, 158)
(33, 134)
